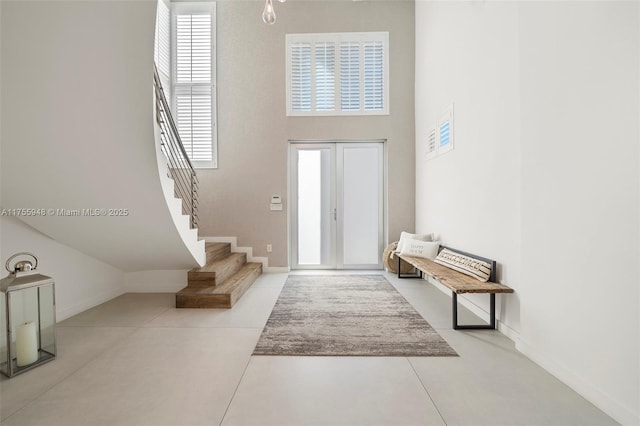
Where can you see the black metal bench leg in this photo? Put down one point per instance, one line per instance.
(416, 275)
(492, 311)
(492, 315)
(454, 309)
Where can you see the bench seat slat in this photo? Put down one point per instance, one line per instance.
(456, 281)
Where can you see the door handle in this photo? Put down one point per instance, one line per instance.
(335, 214)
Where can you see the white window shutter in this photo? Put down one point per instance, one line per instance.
(193, 48)
(373, 75)
(325, 55)
(350, 76)
(194, 118)
(194, 80)
(162, 46)
(300, 78)
(337, 74)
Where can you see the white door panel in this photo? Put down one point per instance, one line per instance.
(360, 207)
(337, 205)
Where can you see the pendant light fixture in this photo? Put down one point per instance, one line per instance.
(269, 14)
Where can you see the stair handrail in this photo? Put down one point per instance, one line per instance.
(180, 166)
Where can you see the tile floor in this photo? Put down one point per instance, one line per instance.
(136, 360)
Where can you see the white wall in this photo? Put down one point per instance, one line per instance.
(77, 130)
(467, 54)
(159, 281)
(579, 105)
(81, 281)
(253, 129)
(544, 175)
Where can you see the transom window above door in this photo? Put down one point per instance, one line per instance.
(338, 74)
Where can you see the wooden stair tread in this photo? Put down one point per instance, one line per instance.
(220, 296)
(228, 286)
(221, 281)
(220, 263)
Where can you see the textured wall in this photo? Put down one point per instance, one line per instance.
(253, 129)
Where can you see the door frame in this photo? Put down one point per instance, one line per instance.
(292, 208)
(292, 187)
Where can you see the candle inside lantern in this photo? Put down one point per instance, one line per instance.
(26, 344)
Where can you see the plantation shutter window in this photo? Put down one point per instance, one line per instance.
(162, 46)
(337, 74)
(350, 75)
(373, 75)
(300, 81)
(193, 77)
(194, 112)
(325, 76)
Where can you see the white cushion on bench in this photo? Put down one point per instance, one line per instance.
(467, 265)
(404, 236)
(423, 249)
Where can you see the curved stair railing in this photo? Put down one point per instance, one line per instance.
(181, 169)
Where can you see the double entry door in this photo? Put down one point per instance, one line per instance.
(337, 205)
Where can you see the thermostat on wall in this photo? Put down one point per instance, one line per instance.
(276, 203)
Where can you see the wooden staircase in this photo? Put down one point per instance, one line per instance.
(221, 281)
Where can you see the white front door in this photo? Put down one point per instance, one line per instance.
(337, 205)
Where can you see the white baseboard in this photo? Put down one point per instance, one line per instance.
(508, 331)
(623, 415)
(64, 313)
(160, 281)
(276, 269)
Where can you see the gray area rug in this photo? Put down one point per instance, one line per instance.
(347, 315)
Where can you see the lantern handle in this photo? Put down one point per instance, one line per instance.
(22, 253)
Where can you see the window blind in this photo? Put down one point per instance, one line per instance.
(350, 76)
(373, 75)
(162, 46)
(325, 76)
(300, 76)
(193, 80)
(193, 48)
(193, 108)
(337, 73)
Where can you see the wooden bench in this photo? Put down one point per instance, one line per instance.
(458, 283)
